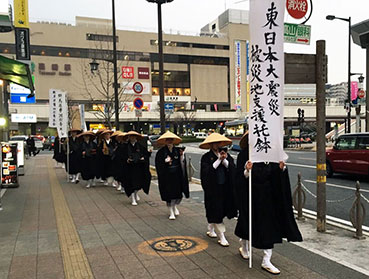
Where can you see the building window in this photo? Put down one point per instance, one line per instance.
(172, 79)
(193, 45)
(100, 37)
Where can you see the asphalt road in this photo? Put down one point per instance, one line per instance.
(339, 187)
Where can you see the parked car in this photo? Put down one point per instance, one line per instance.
(19, 137)
(350, 154)
(38, 144)
(48, 144)
(200, 135)
(153, 139)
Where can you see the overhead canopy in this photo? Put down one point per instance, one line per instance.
(16, 72)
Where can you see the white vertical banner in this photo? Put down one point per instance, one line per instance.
(52, 108)
(237, 71)
(266, 81)
(61, 113)
(82, 114)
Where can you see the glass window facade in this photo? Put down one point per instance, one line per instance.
(191, 45)
(100, 37)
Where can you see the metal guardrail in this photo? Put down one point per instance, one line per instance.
(357, 211)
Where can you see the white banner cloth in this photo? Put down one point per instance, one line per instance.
(266, 81)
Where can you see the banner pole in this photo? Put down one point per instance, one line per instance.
(250, 219)
(67, 159)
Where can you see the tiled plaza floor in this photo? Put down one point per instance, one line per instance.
(53, 229)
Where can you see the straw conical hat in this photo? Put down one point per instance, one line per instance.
(215, 137)
(133, 133)
(98, 132)
(107, 132)
(120, 134)
(244, 141)
(116, 133)
(87, 133)
(169, 135)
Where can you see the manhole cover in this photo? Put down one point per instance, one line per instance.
(173, 246)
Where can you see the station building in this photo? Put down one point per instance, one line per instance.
(204, 74)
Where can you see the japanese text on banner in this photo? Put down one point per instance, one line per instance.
(266, 81)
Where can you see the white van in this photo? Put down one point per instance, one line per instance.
(201, 135)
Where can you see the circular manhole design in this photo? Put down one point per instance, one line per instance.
(173, 246)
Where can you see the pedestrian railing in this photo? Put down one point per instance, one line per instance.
(190, 169)
(357, 211)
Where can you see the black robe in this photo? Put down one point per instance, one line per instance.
(219, 198)
(272, 214)
(59, 151)
(105, 162)
(118, 164)
(136, 175)
(173, 180)
(88, 161)
(74, 156)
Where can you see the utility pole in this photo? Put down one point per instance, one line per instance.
(321, 78)
(116, 85)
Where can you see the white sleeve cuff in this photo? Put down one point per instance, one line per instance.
(216, 164)
(225, 163)
(246, 173)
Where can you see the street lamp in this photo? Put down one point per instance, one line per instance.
(95, 66)
(348, 126)
(161, 58)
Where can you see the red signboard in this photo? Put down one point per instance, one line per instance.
(361, 94)
(143, 73)
(128, 72)
(297, 8)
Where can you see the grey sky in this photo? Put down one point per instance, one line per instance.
(190, 15)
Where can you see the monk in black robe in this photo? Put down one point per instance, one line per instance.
(59, 151)
(74, 155)
(170, 166)
(217, 169)
(137, 174)
(105, 164)
(120, 145)
(272, 214)
(88, 155)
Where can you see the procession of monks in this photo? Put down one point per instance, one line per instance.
(119, 159)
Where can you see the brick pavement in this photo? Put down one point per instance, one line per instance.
(107, 231)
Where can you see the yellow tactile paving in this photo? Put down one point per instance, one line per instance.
(74, 258)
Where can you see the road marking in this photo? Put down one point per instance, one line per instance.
(299, 152)
(74, 257)
(2, 193)
(303, 158)
(303, 166)
(338, 186)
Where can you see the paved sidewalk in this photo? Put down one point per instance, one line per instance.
(52, 229)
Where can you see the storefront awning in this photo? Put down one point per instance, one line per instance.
(16, 72)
